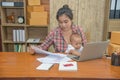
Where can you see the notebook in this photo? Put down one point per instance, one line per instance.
(91, 51)
(68, 66)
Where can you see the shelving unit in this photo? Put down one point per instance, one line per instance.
(15, 35)
(0, 32)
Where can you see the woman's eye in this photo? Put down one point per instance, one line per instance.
(66, 21)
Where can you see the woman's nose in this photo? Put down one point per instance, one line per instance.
(63, 24)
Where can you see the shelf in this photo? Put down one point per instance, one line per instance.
(11, 42)
(37, 26)
(12, 24)
(11, 7)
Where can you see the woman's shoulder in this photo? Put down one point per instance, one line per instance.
(76, 26)
(53, 31)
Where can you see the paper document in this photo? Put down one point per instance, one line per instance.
(44, 66)
(53, 59)
(68, 66)
(37, 50)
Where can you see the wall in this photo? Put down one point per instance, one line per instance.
(89, 14)
(114, 25)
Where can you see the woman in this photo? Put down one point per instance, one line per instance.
(60, 37)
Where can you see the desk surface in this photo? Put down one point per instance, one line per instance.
(23, 65)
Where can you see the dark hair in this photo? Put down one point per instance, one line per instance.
(74, 35)
(65, 10)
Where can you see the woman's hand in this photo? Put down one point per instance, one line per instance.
(31, 50)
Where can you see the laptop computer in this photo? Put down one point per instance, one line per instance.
(91, 51)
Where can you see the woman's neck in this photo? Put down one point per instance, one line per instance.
(64, 30)
(67, 31)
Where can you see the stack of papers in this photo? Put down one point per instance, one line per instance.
(40, 51)
(53, 58)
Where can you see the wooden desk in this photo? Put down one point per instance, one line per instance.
(23, 66)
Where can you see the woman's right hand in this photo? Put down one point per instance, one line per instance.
(31, 50)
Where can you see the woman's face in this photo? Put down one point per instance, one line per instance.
(64, 22)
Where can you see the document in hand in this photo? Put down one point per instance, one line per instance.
(37, 50)
(68, 66)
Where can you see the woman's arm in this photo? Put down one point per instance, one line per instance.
(45, 45)
(47, 42)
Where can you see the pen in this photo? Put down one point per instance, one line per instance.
(68, 65)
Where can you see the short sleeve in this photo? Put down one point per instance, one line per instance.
(70, 47)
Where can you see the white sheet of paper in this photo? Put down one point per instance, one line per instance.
(44, 66)
(37, 50)
(53, 59)
(68, 66)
